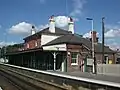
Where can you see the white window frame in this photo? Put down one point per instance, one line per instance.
(74, 58)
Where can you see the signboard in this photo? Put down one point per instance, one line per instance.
(89, 61)
(59, 47)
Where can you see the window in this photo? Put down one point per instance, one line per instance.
(74, 58)
(36, 44)
(105, 59)
(118, 61)
(27, 45)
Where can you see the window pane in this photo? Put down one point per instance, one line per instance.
(74, 57)
(74, 61)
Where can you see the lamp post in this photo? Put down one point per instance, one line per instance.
(93, 48)
(5, 49)
(103, 29)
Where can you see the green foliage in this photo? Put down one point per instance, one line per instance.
(10, 48)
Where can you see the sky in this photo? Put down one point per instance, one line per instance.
(17, 16)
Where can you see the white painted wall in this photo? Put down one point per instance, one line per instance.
(63, 66)
(108, 69)
(59, 47)
(0, 88)
(47, 38)
(71, 27)
(2, 60)
(32, 32)
(52, 26)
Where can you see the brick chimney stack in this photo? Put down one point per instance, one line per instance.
(33, 30)
(52, 24)
(95, 38)
(71, 25)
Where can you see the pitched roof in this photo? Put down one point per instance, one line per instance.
(24, 51)
(58, 31)
(76, 39)
(70, 39)
(98, 48)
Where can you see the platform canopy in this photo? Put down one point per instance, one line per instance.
(58, 47)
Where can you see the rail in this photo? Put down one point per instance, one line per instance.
(61, 81)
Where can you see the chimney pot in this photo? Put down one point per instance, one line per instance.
(71, 19)
(33, 31)
(52, 17)
(71, 25)
(52, 24)
(33, 26)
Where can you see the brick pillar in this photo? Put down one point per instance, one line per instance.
(113, 59)
(68, 61)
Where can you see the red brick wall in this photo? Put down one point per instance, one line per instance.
(39, 42)
(32, 42)
(99, 57)
(80, 49)
(74, 48)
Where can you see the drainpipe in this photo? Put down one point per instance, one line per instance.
(85, 64)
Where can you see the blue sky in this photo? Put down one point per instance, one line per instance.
(16, 14)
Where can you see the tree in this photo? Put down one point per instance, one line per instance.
(15, 47)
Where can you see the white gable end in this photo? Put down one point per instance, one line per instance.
(47, 38)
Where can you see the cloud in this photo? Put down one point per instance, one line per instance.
(77, 7)
(112, 35)
(61, 21)
(112, 41)
(112, 26)
(22, 28)
(114, 45)
(75, 19)
(41, 27)
(112, 31)
(88, 35)
(3, 43)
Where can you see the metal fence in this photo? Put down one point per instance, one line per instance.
(109, 69)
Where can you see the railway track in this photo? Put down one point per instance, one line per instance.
(17, 83)
(36, 79)
(6, 83)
